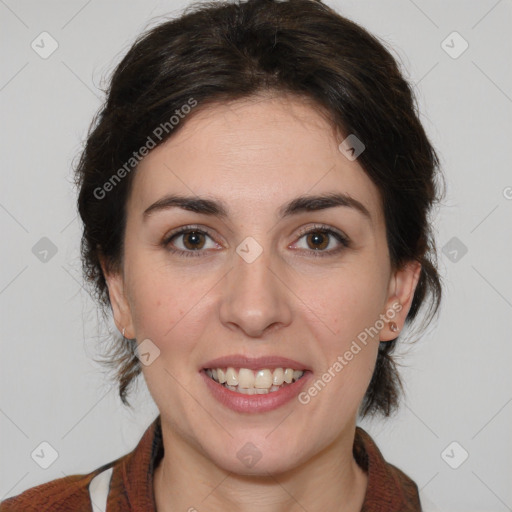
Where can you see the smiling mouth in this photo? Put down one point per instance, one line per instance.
(254, 382)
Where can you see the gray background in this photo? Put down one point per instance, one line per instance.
(458, 377)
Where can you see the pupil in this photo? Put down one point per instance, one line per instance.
(193, 238)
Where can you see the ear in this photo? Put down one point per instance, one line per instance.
(118, 300)
(402, 286)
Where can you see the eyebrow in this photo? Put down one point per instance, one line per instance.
(215, 208)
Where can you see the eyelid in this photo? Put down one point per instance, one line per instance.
(324, 228)
(343, 239)
(185, 229)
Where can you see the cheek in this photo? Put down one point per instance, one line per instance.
(167, 304)
(341, 305)
(159, 310)
(168, 308)
(342, 315)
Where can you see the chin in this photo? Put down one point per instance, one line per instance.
(260, 468)
(254, 458)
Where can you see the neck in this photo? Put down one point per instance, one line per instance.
(331, 481)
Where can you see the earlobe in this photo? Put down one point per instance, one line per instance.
(401, 294)
(118, 301)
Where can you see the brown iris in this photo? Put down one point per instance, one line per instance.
(318, 238)
(194, 238)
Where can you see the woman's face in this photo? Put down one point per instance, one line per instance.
(254, 276)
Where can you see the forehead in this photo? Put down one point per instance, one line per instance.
(257, 152)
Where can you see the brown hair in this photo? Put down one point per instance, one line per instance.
(219, 51)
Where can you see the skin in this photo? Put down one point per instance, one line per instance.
(255, 155)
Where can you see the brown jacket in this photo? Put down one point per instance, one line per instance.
(131, 483)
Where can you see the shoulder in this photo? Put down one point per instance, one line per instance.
(130, 481)
(70, 493)
(408, 487)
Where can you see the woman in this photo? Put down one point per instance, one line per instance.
(255, 197)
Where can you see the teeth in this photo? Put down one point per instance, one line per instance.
(278, 377)
(263, 379)
(249, 382)
(245, 378)
(231, 377)
(221, 376)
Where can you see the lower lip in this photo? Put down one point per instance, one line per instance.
(255, 403)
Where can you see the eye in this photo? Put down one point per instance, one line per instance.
(192, 241)
(319, 238)
(188, 241)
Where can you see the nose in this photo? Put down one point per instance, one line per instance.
(256, 298)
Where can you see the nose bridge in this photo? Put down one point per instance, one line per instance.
(255, 298)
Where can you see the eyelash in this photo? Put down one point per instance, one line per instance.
(344, 241)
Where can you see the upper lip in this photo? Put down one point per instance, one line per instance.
(255, 363)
